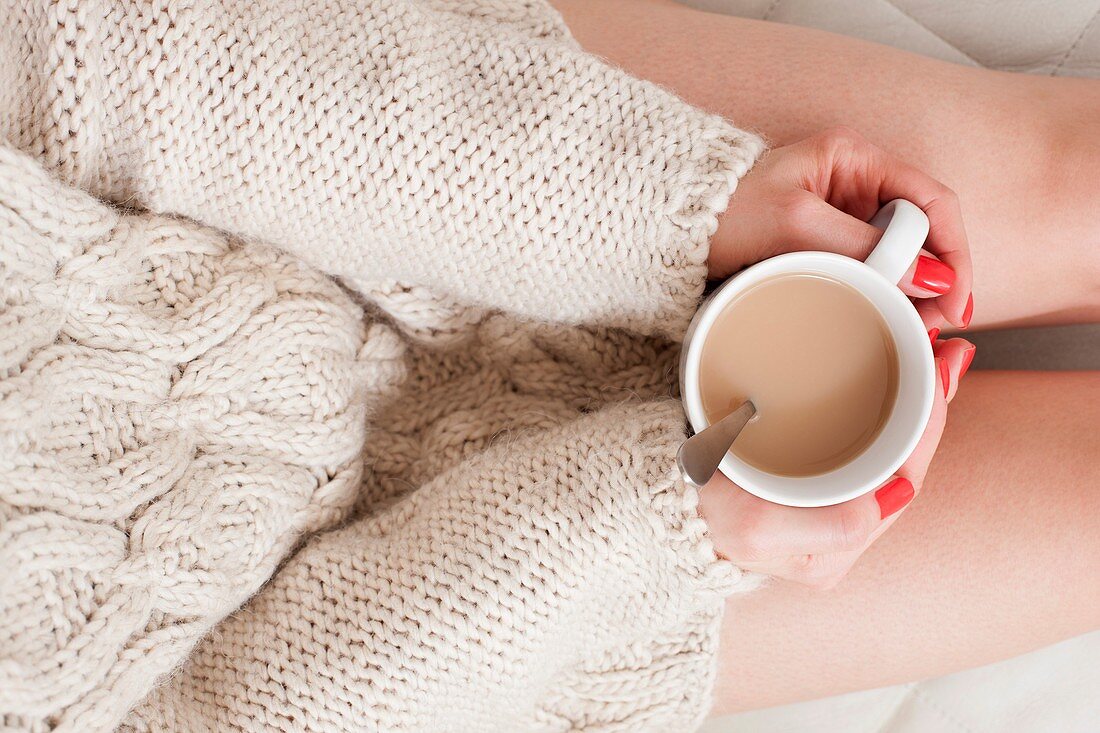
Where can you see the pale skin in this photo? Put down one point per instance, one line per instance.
(1000, 551)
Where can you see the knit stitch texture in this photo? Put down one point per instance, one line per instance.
(357, 314)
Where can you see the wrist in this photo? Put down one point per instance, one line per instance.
(714, 508)
(721, 259)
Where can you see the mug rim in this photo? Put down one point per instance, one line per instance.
(863, 278)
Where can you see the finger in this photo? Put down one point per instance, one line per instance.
(956, 354)
(822, 571)
(930, 314)
(812, 224)
(755, 530)
(863, 177)
(888, 522)
(916, 465)
(826, 571)
(927, 277)
(817, 225)
(947, 238)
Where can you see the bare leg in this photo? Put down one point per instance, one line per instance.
(999, 555)
(1020, 151)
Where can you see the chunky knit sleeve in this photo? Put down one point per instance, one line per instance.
(558, 582)
(468, 149)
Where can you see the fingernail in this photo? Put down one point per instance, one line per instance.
(945, 375)
(968, 311)
(893, 497)
(968, 357)
(933, 335)
(933, 275)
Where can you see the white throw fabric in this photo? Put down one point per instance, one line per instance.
(374, 328)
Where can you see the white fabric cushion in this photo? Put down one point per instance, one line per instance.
(1053, 689)
(1060, 37)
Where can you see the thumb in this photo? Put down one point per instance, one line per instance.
(824, 227)
(819, 225)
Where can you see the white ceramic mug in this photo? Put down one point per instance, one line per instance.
(905, 229)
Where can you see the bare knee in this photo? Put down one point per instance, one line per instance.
(1072, 127)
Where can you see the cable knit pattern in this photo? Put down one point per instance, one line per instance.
(175, 412)
(438, 218)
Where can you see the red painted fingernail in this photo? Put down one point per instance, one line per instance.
(945, 375)
(933, 275)
(968, 311)
(933, 335)
(893, 497)
(968, 357)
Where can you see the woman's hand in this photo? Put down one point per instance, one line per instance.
(817, 194)
(819, 546)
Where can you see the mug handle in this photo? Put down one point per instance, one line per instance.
(905, 227)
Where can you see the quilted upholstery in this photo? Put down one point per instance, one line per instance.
(1053, 689)
(1060, 37)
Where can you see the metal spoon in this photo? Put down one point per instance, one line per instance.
(700, 454)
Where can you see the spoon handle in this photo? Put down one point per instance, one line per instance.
(700, 454)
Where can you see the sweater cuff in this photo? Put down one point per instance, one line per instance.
(675, 505)
(664, 172)
(703, 159)
(661, 675)
(721, 157)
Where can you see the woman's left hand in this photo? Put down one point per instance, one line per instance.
(818, 546)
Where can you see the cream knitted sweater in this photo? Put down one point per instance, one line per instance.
(337, 348)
